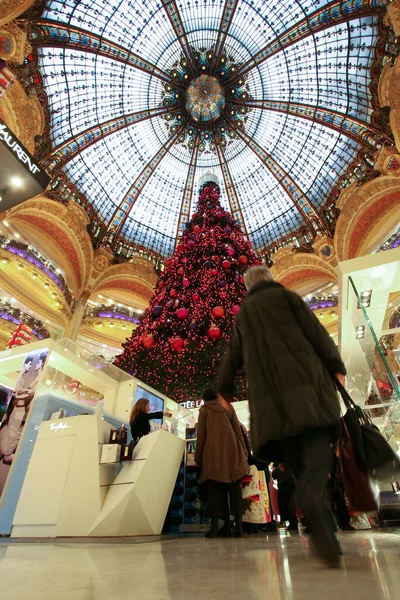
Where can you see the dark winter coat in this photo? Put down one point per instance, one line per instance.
(220, 448)
(290, 360)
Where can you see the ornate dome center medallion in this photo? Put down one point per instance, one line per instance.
(205, 99)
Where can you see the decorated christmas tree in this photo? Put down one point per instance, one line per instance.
(183, 334)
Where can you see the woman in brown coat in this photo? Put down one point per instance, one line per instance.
(221, 454)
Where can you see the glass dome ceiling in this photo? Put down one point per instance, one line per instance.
(286, 107)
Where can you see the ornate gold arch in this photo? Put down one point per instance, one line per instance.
(59, 232)
(369, 214)
(302, 272)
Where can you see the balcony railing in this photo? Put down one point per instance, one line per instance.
(17, 316)
(105, 311)
(33, 256)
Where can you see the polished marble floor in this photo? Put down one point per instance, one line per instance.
(277, 567)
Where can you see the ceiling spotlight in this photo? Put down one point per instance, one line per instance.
(16, 182)
(360, 331)
(365, 299)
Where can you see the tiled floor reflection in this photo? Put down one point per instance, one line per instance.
(253, 568)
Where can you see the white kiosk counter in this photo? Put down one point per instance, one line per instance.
(68, 493)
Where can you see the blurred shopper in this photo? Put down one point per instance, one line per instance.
(141, 416)
(221, 454)
(286, 496)
(290, 361)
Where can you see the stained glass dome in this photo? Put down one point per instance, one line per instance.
(146, 97)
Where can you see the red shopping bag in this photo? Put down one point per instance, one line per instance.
(356, 483)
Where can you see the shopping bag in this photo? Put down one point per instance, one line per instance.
(374, 454)
(357, 484)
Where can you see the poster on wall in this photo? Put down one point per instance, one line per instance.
(14, 419)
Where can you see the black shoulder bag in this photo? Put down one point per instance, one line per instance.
(374, 454)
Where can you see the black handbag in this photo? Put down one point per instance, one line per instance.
(374, 454)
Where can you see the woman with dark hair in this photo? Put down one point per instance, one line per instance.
(221, 454)
(141, 416)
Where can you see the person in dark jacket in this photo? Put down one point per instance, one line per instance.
(221, 454)
(290, 361)
(140, 418)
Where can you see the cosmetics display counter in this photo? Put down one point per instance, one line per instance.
(67, 492)
(77, 388)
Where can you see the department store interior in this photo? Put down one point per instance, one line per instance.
(115, 116)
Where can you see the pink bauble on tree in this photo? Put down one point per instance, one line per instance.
(185, 282)
(235, 309)
(195, 297)
(243, 260)
(218, 312)
(231, 252)
(191, 244)
(182, 313)
(149, 341)
(214, 272)
(226, 264)
(177, 344)
(214, 332)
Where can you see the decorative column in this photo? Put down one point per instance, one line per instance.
(77, 317)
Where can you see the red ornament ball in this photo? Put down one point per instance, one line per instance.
(181, 271)
(172, 293)
(214, 332)
(219, 215)
(226, 264)
(243, 260)
(182, 313)
(161, 284)
(149, 341)
(177, 344)
(180, 247)
(241, 280)
(218, 312)
(231, 252)
(196, 297)
(196, 229)
(222, 295)
(191, 244)
(235, 309)
(168, 262)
